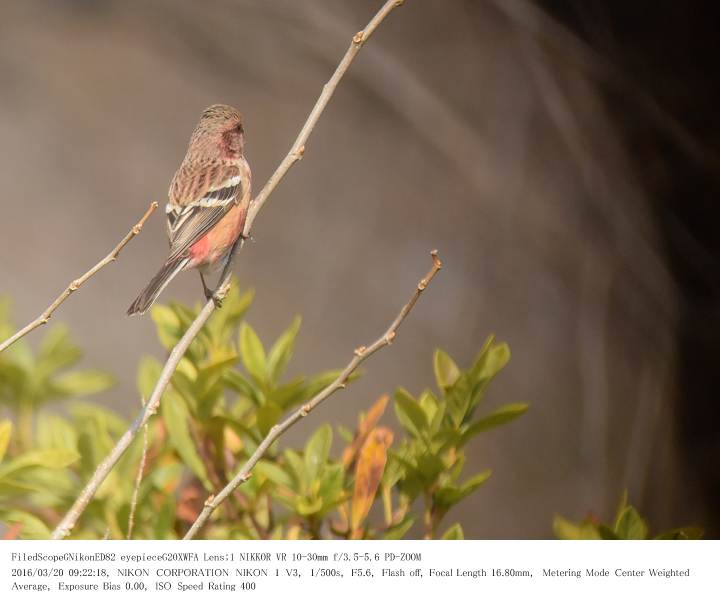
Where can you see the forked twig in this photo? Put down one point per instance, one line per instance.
(360, 355)
(75, 285)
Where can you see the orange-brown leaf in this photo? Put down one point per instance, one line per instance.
(372, 417)
(369, 471)
(190, 503)
(13, 532)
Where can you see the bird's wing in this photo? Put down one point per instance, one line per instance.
(199, 197)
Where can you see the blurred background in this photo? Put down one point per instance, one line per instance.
(562, 155)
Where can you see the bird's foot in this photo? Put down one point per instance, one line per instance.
(211, 295)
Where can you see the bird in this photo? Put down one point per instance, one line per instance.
(208, 202)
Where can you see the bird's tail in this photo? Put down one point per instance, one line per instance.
(158, 283)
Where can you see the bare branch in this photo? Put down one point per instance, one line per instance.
(138, 480)
(298, 149)
(360, 355)
(74, 285)
(63, 529)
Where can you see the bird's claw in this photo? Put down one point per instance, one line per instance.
(211, 295)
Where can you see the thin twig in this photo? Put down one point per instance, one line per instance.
(360, 356)
(63, 529)
(74, 285)
(298, 149)
(138, 480)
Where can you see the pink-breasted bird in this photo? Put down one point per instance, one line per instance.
(208, 202)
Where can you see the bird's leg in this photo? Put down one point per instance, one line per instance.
(206, 290)
(227, 267)
(211, 294)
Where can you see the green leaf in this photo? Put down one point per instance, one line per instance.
(432, 409)
(430, 466)
(289, 394)
(281, 352)
(224, 321)
(14, 381)
(164, 316)
(455, 532)
(447, 496)
(163, 522)
(409, 413)
(331, 487)
(456, 467)
(5, 432)
(306, 507)
(237, 382)
(46, 458)
(393, 470)
(267, 416)
(630, 525)
(175, 416)
(57, 351)
(497, 357)
(55, 433)
(13, 488)
(501, 415)
(273, 472)
(438, 419)
(81, 383)
(564, 529)
(169, 327)
(397, 531)
(297, 467)
(317, 450)
(219, 360)
(446, 371)
(345, 434)
(473, 483)
(253, 354)
(687, 532)
(606, 532)
(187, 388)
(458, 400)
(622, 504)
(97, 431)
(109, 419)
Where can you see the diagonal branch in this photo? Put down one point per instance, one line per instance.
(298, 149)
(66, 525)
(74, 285)
(360, 356)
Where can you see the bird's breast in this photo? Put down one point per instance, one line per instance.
(216, 243)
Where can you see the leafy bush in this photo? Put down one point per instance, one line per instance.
(226, 394)
(628, 524)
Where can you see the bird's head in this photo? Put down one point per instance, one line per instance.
(219, 133)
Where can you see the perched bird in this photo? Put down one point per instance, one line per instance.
(208, 202)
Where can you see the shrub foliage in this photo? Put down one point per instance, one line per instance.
(378, 481)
